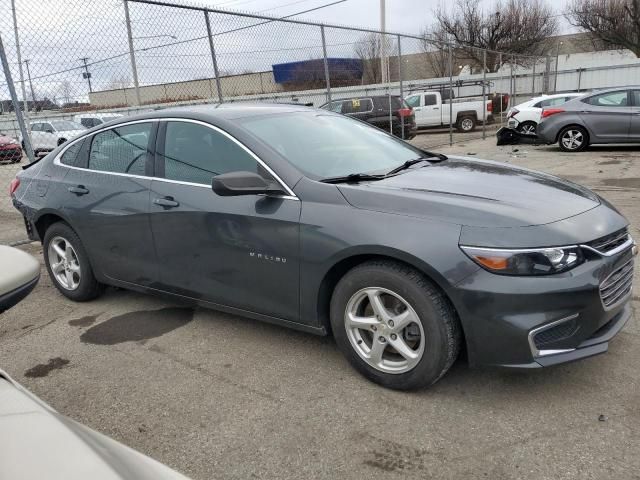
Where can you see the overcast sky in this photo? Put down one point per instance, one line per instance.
(403, 16)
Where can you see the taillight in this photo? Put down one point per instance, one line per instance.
(13, 186)
(547, 112)
(405, 112)
(490, 106)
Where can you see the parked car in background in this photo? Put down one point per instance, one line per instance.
(525, 117)
(386, 112)
(10, 150)
(47, 135)
(313, 220)
(90, 120)
(605, 116)
(431, 110)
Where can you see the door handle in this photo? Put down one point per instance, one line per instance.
(585, 111)
(79, 190)
(166, 202)
(436, 108)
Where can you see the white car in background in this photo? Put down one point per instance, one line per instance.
(91, 120)
(525, 117)
(46, 135)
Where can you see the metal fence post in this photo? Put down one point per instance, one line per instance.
(400, 84)
(19, 57)
(326, 63)
(484, 98)
(450, 93)
(533, 75)
(512, 83)
(134, 69)
(16, 105)
(213, 57)
(580, 70)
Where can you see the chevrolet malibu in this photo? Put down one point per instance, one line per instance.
(320, 222)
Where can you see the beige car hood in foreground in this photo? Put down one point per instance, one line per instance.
(38, 443)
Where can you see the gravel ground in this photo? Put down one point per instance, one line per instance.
(219, 396)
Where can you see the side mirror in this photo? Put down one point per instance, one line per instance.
(243, 183)
(49, 131)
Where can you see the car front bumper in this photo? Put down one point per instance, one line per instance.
(533, 322)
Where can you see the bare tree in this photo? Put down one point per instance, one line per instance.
(518, 27)
(614, 22)
(435, 47)
(119, 82)
(65, 91)
(368, 50)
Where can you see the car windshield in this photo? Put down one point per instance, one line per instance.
(324, 145)
(66, 125)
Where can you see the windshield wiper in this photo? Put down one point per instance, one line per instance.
(431, 157)
(353, 177)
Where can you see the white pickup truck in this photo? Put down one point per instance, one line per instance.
(431, 111)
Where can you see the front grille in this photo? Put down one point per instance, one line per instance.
(617, 285)
(609, 242)
(554, 334)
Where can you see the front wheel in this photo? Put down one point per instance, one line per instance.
(573, 139)
(68, 264)
(394, 326)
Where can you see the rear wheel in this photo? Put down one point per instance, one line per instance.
(68, 264)
(466, 124)
(394, 326)
(528, 128)
(573, 139)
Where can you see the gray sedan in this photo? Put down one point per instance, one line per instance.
(320, 222)
(605, 116)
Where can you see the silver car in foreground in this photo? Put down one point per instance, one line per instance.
(605, 116)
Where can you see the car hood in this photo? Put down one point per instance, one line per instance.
(71, 133)
(4, 139)
(475, 193)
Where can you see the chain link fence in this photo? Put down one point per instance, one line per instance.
(74, 58)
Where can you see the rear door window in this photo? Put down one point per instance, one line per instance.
(609, 99)
(70, 155)
(35, 127)
(430, 99)
(357, 105)
(121, 150)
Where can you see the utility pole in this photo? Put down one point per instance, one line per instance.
(20, 72)
(383, 43)
(86, 73)
(33, 95)
(132, 54)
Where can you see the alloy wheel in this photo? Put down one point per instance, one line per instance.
(466, 124)
(64, 263)
(384, 330)
(528, 129)
(572, 139)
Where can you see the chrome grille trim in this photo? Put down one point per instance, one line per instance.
(612, 244)
(617, 286)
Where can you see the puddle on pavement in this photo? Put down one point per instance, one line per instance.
(43, 369)
(137, 326)
(622, 182)
(84, 321)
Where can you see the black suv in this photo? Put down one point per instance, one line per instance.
(387, 112)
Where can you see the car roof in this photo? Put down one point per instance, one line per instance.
(215, 112)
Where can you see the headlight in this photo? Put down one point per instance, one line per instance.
(539, 261)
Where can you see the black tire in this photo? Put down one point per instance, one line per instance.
(442, 331)
(88, 287)
(528, 128)
(576, 130)
(466, 124)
